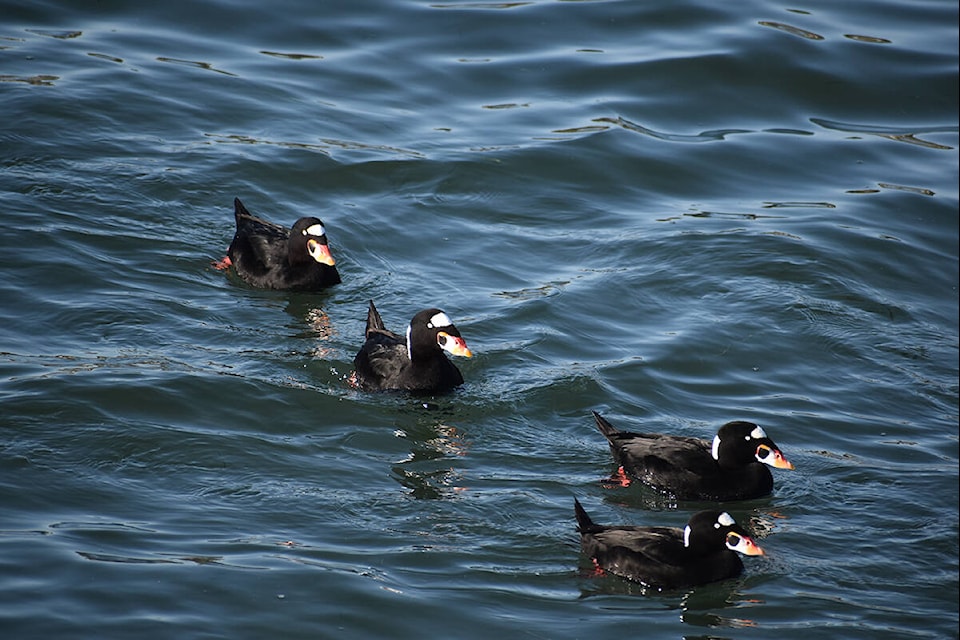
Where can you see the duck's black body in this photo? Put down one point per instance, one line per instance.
(268, 256)
(416, 362)
(733, 467)
(666, 557)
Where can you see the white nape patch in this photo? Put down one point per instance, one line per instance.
(686, 536)
(314, 230)
(725, 520)
(758, 433)
(715, 451)
(439, 320)
(409, 351)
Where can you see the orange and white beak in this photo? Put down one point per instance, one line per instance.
(773, 457)
(454, 345)
(743, 544)
(320, 252)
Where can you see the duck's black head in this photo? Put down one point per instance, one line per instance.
(740, 443)
(432, 330)
(308, 241)
(710, 531)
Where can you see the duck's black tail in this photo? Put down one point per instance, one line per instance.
(240, 211)
(374, 323)
(584, 523)
(605, 427)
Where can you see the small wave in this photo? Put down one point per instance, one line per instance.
(898, 134)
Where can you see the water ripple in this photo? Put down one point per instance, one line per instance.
(704, 136)
(898, 134)
(534, 168)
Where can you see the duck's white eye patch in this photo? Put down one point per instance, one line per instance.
(439, 320)
(758, 433)
(314, 230)
(726, 520)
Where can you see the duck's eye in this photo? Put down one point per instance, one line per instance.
(763, 452)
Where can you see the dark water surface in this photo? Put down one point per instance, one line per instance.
(674, 213)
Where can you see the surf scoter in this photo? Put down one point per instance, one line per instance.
(668, 557)
(414, 362)
(268, 256)
(735, 466)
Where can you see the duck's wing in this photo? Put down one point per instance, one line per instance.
(380, 360)
(647, 555)
(657, 453)
(258, 243)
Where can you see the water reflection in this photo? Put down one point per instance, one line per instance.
(315, 325)
(897, 134)
(755, 515)
(199, 64)
(703, 606)
(792, 30)
(636, 495)
(715, 605)
(427, 471)
(44, 80)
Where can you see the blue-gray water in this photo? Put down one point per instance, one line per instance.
(674, 213)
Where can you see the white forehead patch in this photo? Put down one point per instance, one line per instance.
(725, 520)
(314, 230)
(716, 447)
(686, 536)
(439, 320)
(758, 433)
(409, 350)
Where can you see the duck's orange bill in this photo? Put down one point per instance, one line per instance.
(453, 344)
(780, 462)
(743, 544)
(320, 252)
